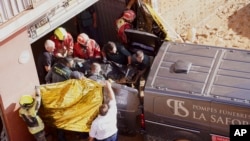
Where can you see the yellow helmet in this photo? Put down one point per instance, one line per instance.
(26, 100)
(60, 33)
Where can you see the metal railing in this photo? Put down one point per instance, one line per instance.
(11, 8)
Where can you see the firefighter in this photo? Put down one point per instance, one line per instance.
(64, 42)
(28, 111)
(86, 48)
(123, 23)
(60, 71)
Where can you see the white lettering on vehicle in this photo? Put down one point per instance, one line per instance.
(179, 109)
(207, 113)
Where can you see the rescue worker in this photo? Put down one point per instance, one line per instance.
(119, 59)
(141, 62)
(123, 23)
(86, 48)
(60, 71)
(117, 53)
(29, 113)
(64, 42)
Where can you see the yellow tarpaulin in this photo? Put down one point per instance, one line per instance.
(71, 105)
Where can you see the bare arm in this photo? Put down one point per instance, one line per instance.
(130, 3)
(38, 98)
(110, 91)
(91, 139)
(129, 60)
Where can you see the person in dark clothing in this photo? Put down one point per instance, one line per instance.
(87, 23)
(116, 53)
(60, 71)
(45, 60)
(140, 60)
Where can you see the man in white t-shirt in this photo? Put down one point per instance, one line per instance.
(104, 127)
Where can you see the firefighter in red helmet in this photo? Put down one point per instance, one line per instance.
(86, 48)
(123, 23)
(64, 42)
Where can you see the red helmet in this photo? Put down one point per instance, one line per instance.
(82, 38)
(128, 15)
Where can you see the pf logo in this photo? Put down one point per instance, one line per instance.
(178, 107)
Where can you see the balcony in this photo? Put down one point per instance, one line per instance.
(11, 8)
(37, 16)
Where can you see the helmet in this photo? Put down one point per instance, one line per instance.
(60, 33)
(128, 15)
(82, 38)
(26, 101)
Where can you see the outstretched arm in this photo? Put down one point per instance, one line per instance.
(38, 98)
(110, 91)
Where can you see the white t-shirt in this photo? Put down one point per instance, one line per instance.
(105, 126)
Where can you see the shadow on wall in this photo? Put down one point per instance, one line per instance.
(239, 21)
(16, 128)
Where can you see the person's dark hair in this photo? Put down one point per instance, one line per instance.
(66, 60)
(103, 109)
(109, 46)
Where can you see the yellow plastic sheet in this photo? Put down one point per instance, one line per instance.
(71, 105)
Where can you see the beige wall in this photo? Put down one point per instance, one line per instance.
(16, 79)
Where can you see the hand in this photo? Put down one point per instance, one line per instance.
(107, 84)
